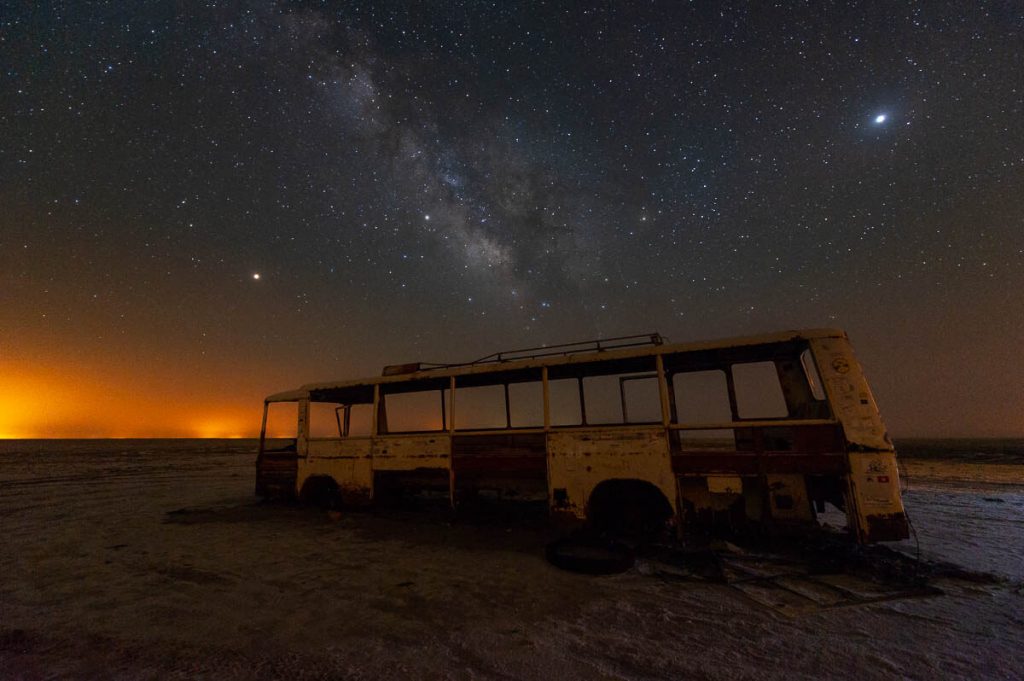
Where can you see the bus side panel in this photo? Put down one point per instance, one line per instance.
(412, 464)
(412, 452)
(513, 463)
(347, 461)
(579, 460)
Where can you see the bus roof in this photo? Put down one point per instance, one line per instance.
(514, 365)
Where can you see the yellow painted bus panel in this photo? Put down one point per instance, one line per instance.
(579, 460)
(409, 452)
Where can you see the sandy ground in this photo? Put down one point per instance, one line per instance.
(159, 564)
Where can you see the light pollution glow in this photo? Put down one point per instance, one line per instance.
(54, 403)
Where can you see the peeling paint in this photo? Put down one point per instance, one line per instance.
(832, 446)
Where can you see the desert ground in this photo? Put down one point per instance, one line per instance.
(155, 561)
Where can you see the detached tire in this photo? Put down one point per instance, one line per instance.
(590, 556)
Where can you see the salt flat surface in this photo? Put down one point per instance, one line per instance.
(152, 560)
(969, 514)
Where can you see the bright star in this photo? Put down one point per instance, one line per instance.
(880, 118)
(256, 275)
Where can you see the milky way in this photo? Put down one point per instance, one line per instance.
(440, 181)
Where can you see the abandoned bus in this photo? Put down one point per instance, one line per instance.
(755, 432)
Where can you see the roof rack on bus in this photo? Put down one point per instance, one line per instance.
(596, 345)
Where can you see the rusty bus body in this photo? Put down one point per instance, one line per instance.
(823, 441)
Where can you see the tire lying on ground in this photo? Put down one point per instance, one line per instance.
(590, 556)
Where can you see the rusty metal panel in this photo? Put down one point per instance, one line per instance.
(303, 427)
(333, 448)
(275, 474)
(874, 485)
(886, 527)
(288, 396)
(347, 461)
(580, 459)
(516, 455)
(848, 392)
(409, 452)
(725, 484)
(788, 498)
(753, 463)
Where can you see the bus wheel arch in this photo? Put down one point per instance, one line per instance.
(321, 491)
(629, 506)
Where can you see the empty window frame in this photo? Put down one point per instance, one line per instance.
(526, 404)
(564, 402)
(701, 397)
(360, 420)
(813, 377)
(414, 412)
(622, 399)
(334, 420)
(480, 408)
(758, 391)
(324, 420)
(282, 420)
(501, 406)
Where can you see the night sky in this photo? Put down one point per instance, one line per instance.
(436, 181)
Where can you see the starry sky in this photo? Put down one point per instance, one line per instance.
(437, 181)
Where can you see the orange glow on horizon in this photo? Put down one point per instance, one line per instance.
(74, 403)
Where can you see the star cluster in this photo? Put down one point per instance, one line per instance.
(269, 193)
